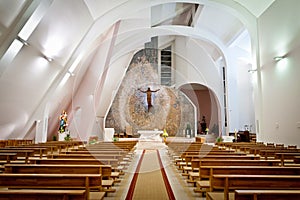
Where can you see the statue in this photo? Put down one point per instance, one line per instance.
(203, 125)
(63, 122)
(149, 96)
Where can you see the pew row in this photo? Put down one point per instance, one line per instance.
(104, 170)
(45, 194)
(87, 182)
(201, 163)
(266, 194)
(207, 172)
(229, 182)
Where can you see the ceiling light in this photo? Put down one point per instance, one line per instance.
(48, 58)
(23, 41)
(252, 70)
(278, 58)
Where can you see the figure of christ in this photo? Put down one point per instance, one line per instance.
(149, 96)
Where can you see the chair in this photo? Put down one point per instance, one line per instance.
(292, 146)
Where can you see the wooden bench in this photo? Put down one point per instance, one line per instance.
(266, 194)
(283, 156)
(41, 151)
(86, 156)
(95, 151)
(224, 162)
(297, 159)
(53, 181)
(112, 162)
(231, 182)
(272, 153)
(7, 157)
(104, 170)
(207, 172)
(61, 145)
(20, 153)
(45, 194)
(195, 167)
(50, 148)
(15, 142)
(237, 162)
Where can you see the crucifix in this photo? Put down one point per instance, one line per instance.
(149, 96)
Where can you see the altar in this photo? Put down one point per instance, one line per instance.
(150, 135)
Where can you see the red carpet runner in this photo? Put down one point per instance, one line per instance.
(150, 179)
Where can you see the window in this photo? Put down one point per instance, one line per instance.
(166, 66)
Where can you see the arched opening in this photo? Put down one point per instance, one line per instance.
(206, 107)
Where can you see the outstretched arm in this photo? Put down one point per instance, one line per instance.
(142, 90)
(155, 90)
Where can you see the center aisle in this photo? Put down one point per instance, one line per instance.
(152, 175)
(150, 181)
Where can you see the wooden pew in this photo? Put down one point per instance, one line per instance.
(185, 159)
(45, 194)
(207, 172)
(229, 182)
(7, 157)
(219, 151)
(50, 148)
(20, 153)
(53, 181)
(224, 162)
(111, 152)
(15, 142)
(41, 151)
(297, 159)
(112, 162)
(243, 146)
(272, 153)
(194, 158)
(63, 144)
(104, 170)
(237, 162)
(283, 156)
(116, 171)
(266, 194)
(123, 156)
(86, 156)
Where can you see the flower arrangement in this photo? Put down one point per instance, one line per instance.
(206, 130)
(165, 134)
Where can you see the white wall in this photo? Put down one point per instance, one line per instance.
(194, 65)
(28, 83)
(279, 34)
(240, 90)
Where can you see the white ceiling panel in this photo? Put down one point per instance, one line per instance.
(9, 9)
(256, 7)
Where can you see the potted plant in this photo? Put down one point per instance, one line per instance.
(68, 137)
(219, 139)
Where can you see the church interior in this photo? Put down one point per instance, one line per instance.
(149, 99)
